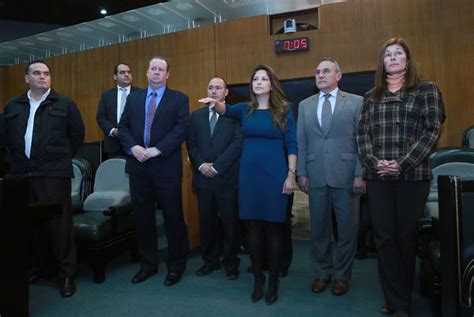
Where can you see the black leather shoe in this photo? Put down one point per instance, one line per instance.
(172, 278)
(142, 276)
(401, 314)
(257, 293)
(68, 287)
(232, 274)
(207, 269)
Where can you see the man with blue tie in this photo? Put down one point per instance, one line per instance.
(111, 105)
(154, 124)
(330, 173)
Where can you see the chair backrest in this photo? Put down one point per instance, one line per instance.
(111, 186)
(111, 176)
(81, 183)
(468, 137)
(76, 182)
(461, 169)
(456, 161)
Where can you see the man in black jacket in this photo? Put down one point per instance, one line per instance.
(111, 105)
(42, 131)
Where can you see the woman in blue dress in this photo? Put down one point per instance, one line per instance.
(267, 172)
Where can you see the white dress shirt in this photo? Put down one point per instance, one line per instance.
(34, 105)
(332, 100)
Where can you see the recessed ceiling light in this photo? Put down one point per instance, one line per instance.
(64, 34)
(10, 47)
(184, 6)
(85, 29)
(107, 24)
(131, 18)
(156, 11)
(44, 38)
(103, 11)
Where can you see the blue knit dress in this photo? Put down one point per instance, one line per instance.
(263, 164)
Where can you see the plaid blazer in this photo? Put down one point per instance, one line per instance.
(403, 126)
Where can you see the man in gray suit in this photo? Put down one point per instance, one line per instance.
(330, 173)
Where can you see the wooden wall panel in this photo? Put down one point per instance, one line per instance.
(440, 33)
(13, 82)
(83, 76)
(3, 71)
(454, 54)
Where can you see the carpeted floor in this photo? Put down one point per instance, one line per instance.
(214, 295)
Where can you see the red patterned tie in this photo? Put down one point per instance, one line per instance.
(149, 118)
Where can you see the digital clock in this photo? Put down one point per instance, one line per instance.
(292, 45)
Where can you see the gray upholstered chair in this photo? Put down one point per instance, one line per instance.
(76, 183)
(105, 228)
(468, 137)
(80, 183)
(454, 161)
(456, 211)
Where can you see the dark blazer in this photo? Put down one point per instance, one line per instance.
(223, 149)
(169, 130)
(107, 118)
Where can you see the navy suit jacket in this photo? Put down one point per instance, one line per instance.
(169, 130)
(223, 149)
(107, 118)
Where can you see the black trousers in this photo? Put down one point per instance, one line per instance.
(395, 207)
(219, 226)
(53, 235)
(265, 241)
(146, 192)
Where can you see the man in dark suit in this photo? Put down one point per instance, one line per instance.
(153, 126)
(214, 147)
(109, 111)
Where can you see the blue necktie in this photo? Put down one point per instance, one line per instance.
(149, 118)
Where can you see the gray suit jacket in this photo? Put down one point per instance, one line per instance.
(329, 159)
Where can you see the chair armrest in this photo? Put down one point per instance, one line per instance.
(118, 210)
(424, 236)
(424, 226)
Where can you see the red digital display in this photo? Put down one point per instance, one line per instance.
(292, 45)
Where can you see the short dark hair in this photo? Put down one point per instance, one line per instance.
(36, 61)
(116, 67)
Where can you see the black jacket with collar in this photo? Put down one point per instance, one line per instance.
(58, 132)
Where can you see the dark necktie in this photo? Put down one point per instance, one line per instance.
(213, 121)
(149, 118)
(326, 114)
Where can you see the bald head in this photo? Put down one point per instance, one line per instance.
(217, 89)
